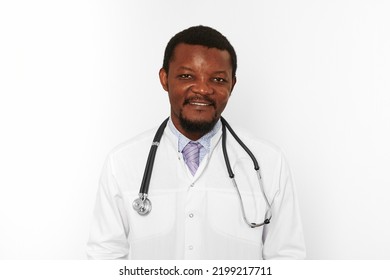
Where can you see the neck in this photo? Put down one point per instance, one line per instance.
(192, 135)
(193, 131)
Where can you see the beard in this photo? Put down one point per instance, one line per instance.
(192, 126)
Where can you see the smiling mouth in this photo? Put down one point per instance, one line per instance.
(200, 104)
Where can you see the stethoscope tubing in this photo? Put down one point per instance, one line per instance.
(150, 162)
(231, 174)
(225, 124)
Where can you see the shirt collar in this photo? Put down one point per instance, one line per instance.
(205, 140)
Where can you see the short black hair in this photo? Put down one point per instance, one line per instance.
(203, 36)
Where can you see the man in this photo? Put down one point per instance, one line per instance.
(196, 211)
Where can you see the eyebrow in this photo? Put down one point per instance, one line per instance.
(214, 73)
(185, 68)
(221, 72)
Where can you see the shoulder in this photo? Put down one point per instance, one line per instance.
(270, 157)
(134, 145)
(256, 143)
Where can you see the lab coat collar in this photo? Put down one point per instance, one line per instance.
(205, 140)
(214, 140)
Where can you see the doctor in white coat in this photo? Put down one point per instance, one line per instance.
(196, 211)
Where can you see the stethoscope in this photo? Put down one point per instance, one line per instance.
(142, 204)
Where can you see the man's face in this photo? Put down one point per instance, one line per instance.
(199, 84)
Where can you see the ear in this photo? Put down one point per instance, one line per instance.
(163, 78)
(234, 80)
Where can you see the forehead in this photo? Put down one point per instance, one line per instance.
(197, 55)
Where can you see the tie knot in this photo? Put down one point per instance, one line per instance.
(191, 155)
(192, 145)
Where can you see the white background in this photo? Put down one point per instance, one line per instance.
(79, 77)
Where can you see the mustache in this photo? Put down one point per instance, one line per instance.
(205, 99)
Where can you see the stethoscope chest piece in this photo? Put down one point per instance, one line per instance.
(142, 205)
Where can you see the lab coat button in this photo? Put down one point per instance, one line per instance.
(190, 247)
(191, 215)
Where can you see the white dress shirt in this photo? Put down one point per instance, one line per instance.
(195, 217)
(205, 140)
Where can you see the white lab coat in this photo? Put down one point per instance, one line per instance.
(195, 217)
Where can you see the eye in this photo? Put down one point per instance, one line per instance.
(185, 76)
(219, 80)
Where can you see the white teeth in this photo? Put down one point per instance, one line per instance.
(199, 104)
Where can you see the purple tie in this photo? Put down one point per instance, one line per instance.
(191, 156)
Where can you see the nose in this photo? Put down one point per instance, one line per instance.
(202, 86)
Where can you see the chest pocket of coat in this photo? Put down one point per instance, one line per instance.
(159, 222)
(226, 216)
(227, 219)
